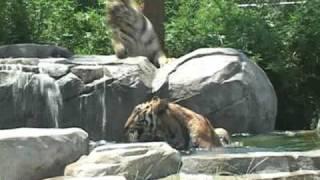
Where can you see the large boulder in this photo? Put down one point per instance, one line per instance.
(31, 154)
(134, 161)
(30, 50)
(223, 85)
(96, 93)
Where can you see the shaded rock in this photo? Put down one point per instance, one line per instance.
(297, 175)
(31, 154)
(88, 178)
(134, 161)
(70, 86)
(250, 162)
(223, 85)
(33, 51)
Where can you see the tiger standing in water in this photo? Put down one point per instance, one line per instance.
(132, 33)
(182, 128)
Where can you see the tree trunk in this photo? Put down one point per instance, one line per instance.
(154, 11)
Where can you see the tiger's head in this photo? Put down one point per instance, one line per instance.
(121, 12)
(143, 123)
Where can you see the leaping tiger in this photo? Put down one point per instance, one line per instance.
(182, 128)
(132, 33)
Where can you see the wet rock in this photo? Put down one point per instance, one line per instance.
(134, 161)
(104, 106)
(223, 85)
(28, 99)
(70, 86)
(31, 154)
(97, 95)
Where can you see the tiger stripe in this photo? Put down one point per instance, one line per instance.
(132, 33)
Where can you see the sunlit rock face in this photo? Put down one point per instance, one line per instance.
(223, 85)
(134, 161)
(33, 153)
(96, 93)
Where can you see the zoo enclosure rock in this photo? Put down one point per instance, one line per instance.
(223, 85)
(96, 93)
(31, 154)
(134, 161)
(225, 160)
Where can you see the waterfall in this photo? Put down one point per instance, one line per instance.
(102, 99)
(49, 89)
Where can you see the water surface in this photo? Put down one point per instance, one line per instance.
(281, 141)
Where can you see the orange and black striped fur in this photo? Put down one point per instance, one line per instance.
(160, 120)
(132, 33)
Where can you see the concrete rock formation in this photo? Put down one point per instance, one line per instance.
(134, 161)
(97, 93)
(223, 85)
(31, 154)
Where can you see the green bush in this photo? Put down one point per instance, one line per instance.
(64, 22)
(283, 40)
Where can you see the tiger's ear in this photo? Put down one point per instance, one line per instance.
(160, 105)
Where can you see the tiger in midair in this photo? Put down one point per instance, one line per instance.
(132, 33)
(182, 128)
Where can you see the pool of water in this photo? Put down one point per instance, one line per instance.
(280, 141)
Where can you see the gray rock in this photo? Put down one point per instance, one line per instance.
(28, 99)
(297, 175)
(33, 51)
(222, 161)
(53, 70)
(88, 178)
(97, 97)
(31, 154)
(134, 161)
(88, 73)
(224, 85)
(70, 86)
(105, 104)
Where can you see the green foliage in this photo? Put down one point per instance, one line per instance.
(283, 40)
(69, 23)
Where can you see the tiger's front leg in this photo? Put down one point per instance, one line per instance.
(119, 48)
(178, 141)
